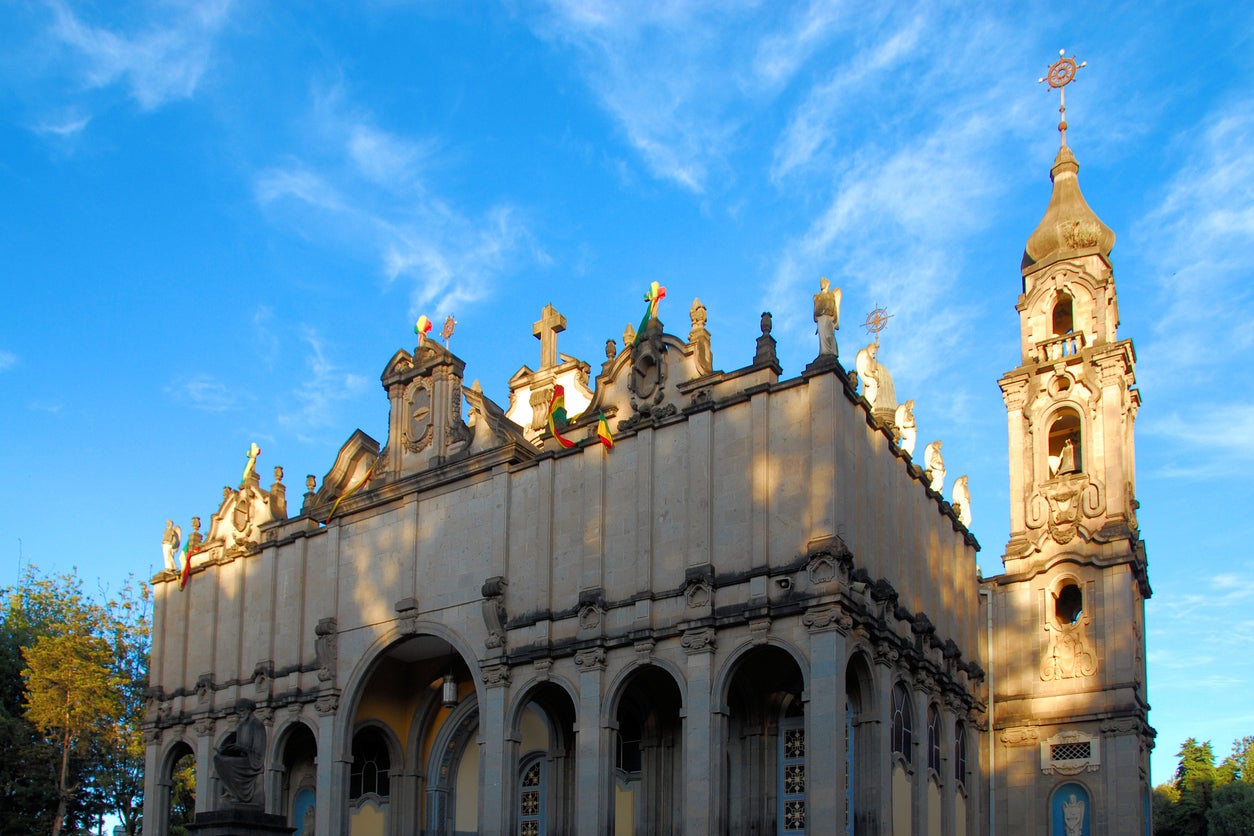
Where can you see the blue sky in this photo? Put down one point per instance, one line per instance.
(220, 219)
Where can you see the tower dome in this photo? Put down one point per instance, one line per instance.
(1069, 225)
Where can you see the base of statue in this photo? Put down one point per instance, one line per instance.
(239, 821)
(822, 363)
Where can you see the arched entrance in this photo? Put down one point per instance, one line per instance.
(766, 745)
(647, 754)
(414, 750)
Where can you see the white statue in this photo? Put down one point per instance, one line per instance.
(960, 498)
(868, 367)
(934, 466)
(170, 542)
(909, 432)
(827, 317)
(1073, 816)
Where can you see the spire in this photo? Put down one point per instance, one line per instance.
(1069, 224)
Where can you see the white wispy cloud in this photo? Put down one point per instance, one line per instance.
(327, 385)
(681, 79)
(817, 122)
(162, 60)
(204, 392)
(63, 126)
(1197, 234)
(364, 188)
(7, 360)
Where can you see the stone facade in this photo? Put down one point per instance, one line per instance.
(754, 614)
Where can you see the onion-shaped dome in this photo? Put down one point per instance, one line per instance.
(1069, 225)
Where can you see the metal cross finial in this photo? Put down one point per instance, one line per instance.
(1061, 73)
(876, 321)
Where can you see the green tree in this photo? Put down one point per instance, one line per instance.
(59, 769)
(1232, 812)
(1191, 788)
(1239, 766)
(72, 697)
(118, 776)
(28, 762)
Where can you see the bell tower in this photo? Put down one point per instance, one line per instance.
(1069, 712)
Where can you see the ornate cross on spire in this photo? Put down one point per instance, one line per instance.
(546, 330)
(1061, 73)
(876, 321)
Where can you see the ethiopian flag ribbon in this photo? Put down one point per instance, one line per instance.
(557, 416)
(421, 327)
(352, 490)
(603, 433)
(656, 294)
(186, 574)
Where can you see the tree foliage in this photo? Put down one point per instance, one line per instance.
(1205, 800)
(73, 672)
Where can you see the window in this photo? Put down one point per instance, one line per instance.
(933, 740)
(371, 765)
(792, 775)
(1063, 318)
(903, 721)
(1069, 604)
(531, 797)
(960, 753)
(627, 754)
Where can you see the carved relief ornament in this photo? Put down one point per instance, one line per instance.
(419, 426)
(1062, 504)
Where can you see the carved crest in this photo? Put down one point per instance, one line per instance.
(1062, 504)
(418, 424)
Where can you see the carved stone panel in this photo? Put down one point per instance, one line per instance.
(419, 426)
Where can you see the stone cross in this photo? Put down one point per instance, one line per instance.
(546, 330)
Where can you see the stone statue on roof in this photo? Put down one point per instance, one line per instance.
(827, 317)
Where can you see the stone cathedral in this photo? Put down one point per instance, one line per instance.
(755, 612)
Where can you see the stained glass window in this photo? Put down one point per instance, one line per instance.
(531, 797)
(792, 775)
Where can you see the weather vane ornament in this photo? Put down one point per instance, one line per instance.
(877, 321)
(1061, 73)
(447, 332)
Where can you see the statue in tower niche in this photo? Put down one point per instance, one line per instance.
(934, 466)
(239, 763)
(827, 317)
(1073, 816)
(1064, 462)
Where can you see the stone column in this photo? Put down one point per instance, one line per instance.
(880, 793)
(918, 758)
(331, 780)
(594, 808)
(206, 786)
(496, 796)
(156, 795)
(700, 773)
(825, 721)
